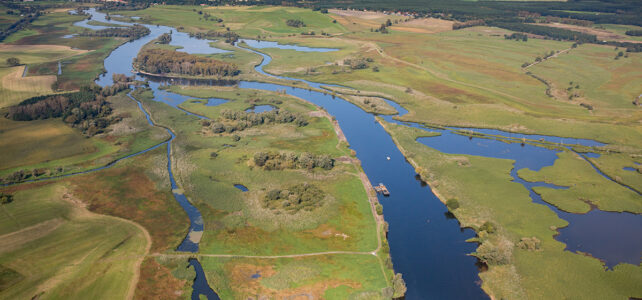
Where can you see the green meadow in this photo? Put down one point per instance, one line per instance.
(486, 193)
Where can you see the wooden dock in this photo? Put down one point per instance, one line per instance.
(382, 189)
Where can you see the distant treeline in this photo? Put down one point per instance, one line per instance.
(161, 61)
(550, 32)
(131, 32)
(86, 109)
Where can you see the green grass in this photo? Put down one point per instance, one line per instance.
(247, 21)
(486, 192)
(93, 258)
(51, 143)
(235, 221)
(327, 277)
(585, 186)
(613, 164)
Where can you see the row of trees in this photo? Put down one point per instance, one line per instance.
(550, 32)
(634, 32)
(302, 196)
(358, 63)
(161, 61)
(517, 36)
(18, 25)
(131, 32)
(290, 160)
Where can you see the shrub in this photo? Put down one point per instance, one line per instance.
(379, 209)
(452, 204)
(5, 198)
(13, 61)
(529, 243)
(297, 197)
(488, 227)
(295, 23)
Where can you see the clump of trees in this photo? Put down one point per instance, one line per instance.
(529, 243)
(13, 61)
(357, 63)
(231, 37)
(231, 121)
(302, 196)
(6, 198)
(161, 61)
(517, 36)
(165, 38)
(130, 32)
(290, 160)
(295, 23)
(86, 109)
(633, 32)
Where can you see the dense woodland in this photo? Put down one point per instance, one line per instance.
(86, 109)
(130, 32)
(289, 160)
(161, 61)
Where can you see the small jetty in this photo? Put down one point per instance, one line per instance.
(382, 189)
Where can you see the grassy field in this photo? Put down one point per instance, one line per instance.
(249, 21)
(486, 192)
(320, 277)
(94, 255)
(15, 88)
(586, 187)
(52, 143)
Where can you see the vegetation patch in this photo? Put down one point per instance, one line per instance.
(297, 197)
(290, 160)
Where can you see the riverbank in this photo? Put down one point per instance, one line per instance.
(514, 266)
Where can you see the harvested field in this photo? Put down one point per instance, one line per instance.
(601, 34)
(15, 88)
(428, 25)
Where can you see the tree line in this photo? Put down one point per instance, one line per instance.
(18, 25)
(295, 23)
(231, 37)
(131, 32)
(161, 61)
(290, 160)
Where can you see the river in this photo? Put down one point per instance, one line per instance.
(426, 246)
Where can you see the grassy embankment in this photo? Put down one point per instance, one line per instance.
(514, 271)
(236, 222)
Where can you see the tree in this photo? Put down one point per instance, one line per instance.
(399, 286)
(13, 61)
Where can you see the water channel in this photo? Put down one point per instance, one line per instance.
(427, 247)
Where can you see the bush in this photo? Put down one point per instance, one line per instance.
(297, 197)
(529, 243)
(379, 209)
(5, 198)
(295, 23)
(13, 61)
(488, 227)
(452, 204)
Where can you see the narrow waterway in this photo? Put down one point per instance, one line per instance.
(427, 246)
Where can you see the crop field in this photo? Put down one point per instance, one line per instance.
(95, 255)
(15, 88)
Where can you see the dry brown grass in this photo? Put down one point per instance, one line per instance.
(601, 34)
(428, 25)
(16, 88)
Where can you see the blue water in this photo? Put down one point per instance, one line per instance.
(201, 287)
(547, 138)
(629, 169)
(267, 44)
(260, 108)
(241, 187)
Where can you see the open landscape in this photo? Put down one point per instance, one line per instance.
(416, 149)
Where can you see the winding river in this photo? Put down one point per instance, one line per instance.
(426, 246)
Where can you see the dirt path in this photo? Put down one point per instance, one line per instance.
(545, 59)
(81, 210)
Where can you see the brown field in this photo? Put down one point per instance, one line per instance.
(601, 34)
(157, 282)
(427, 25)
(15, 88)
